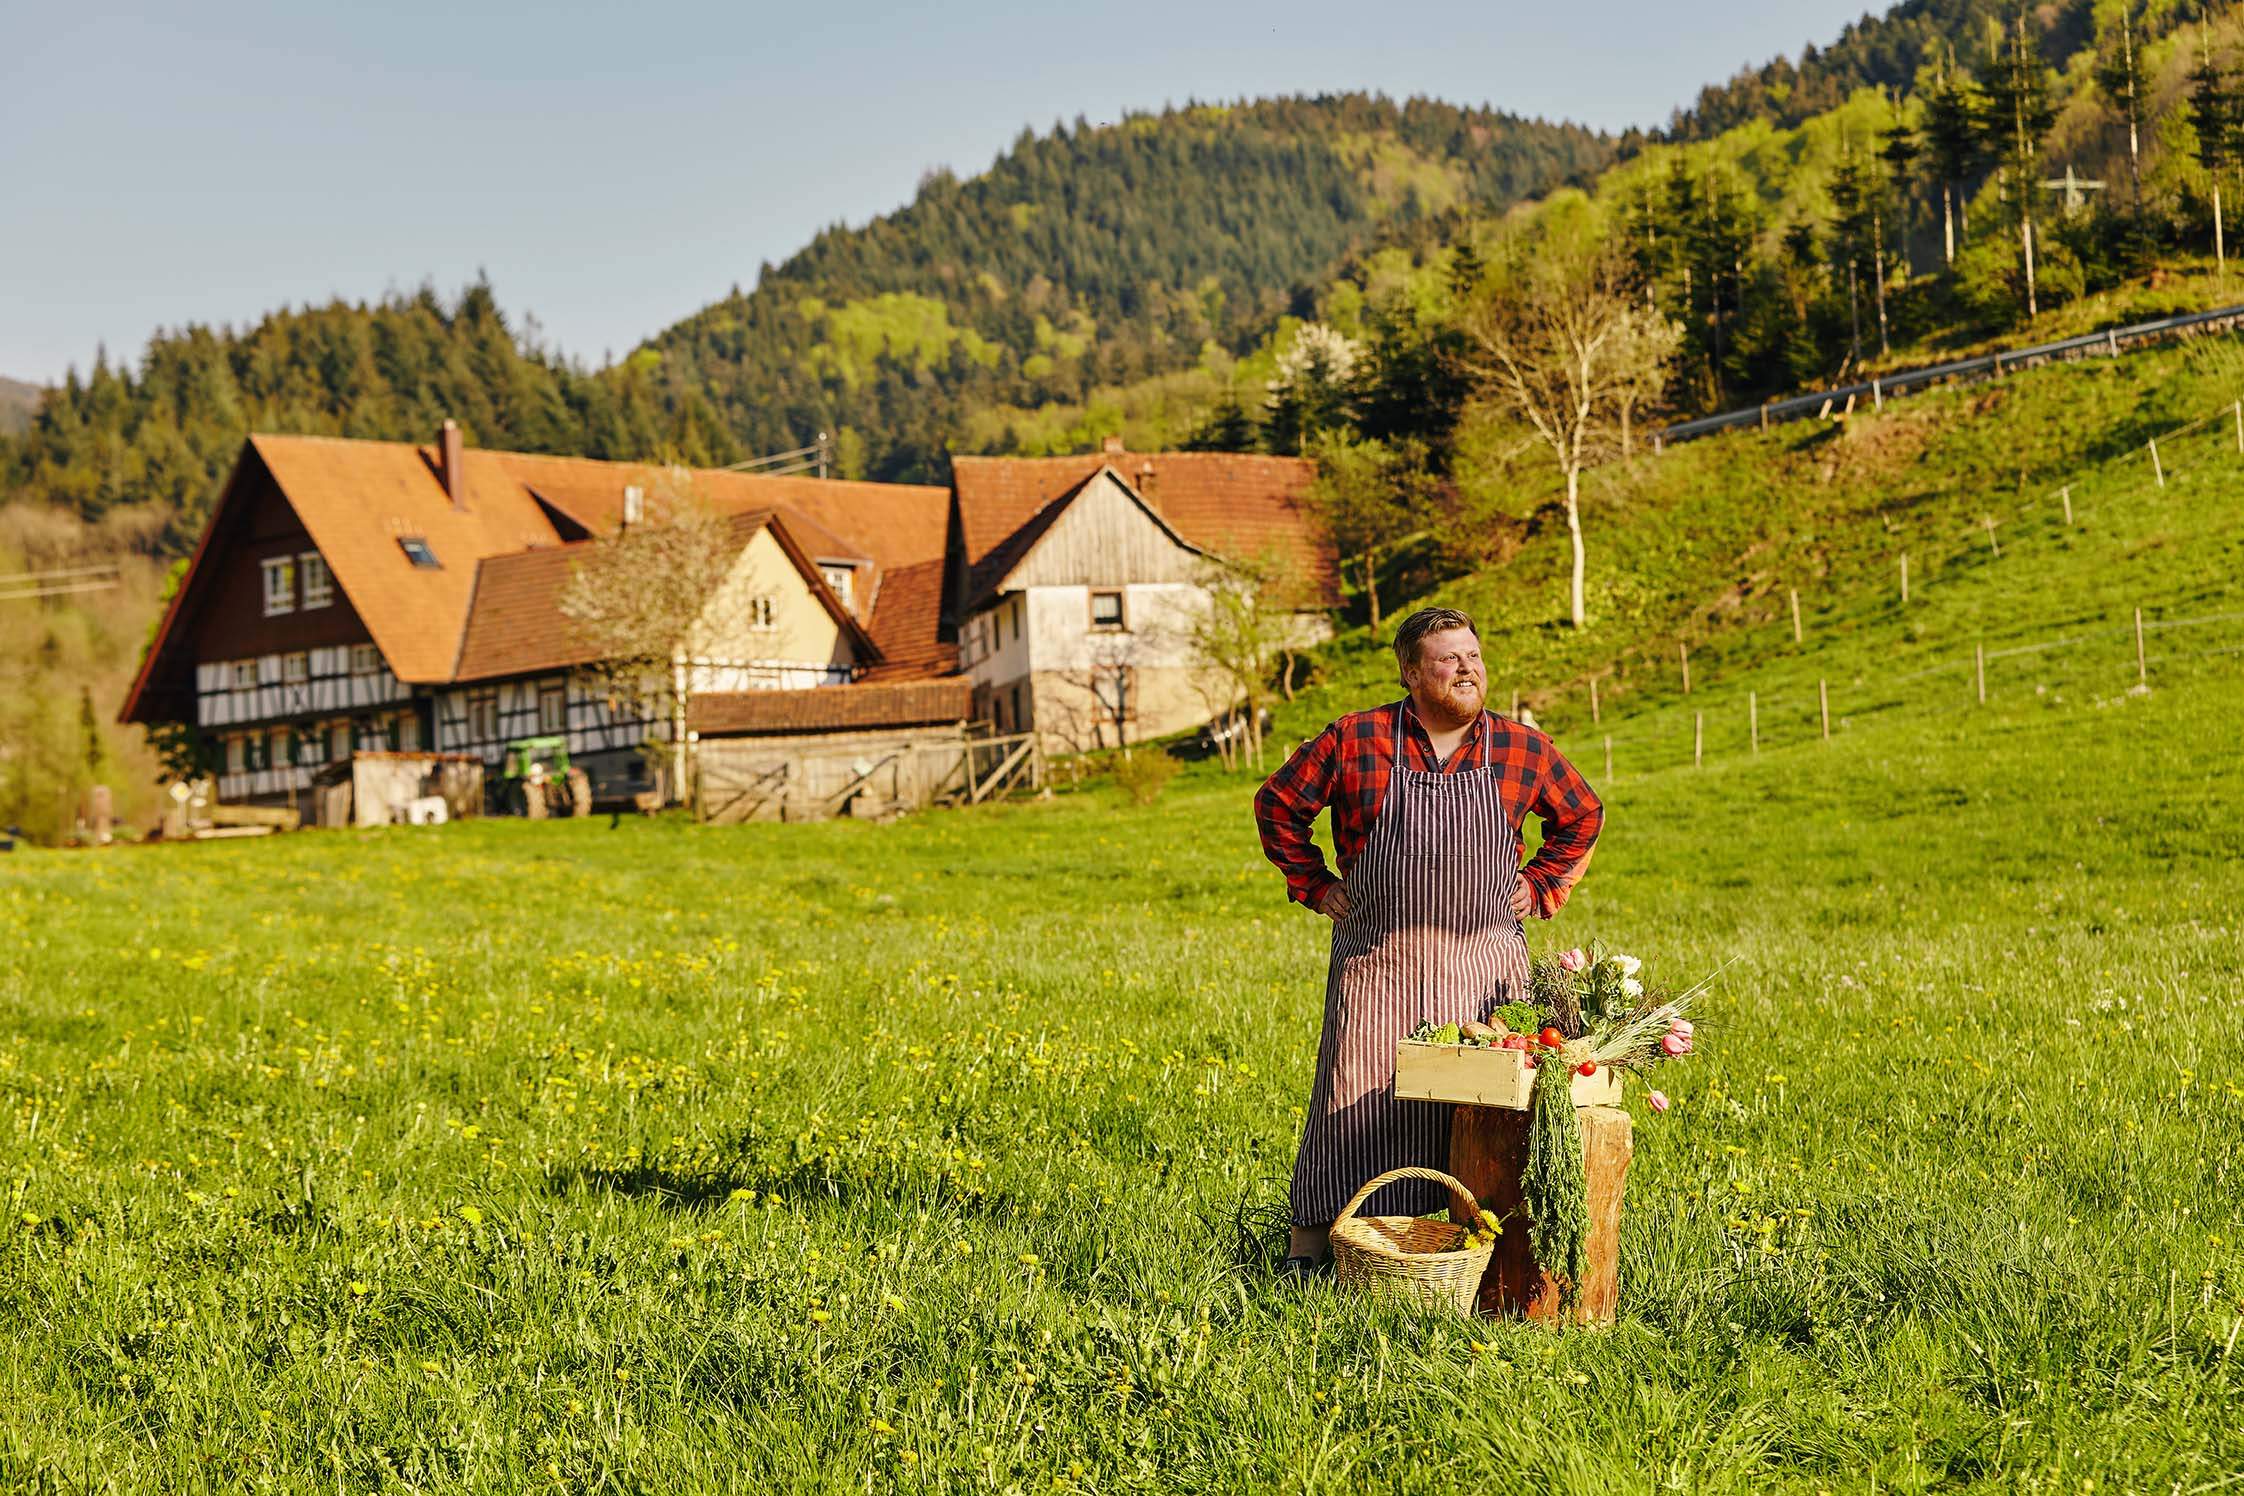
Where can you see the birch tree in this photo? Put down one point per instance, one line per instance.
(1564, 344)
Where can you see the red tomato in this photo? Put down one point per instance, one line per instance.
(1587, 1067)
(1528, 1061)
(1552, 1038)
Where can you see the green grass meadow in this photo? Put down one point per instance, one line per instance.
(945, 1155)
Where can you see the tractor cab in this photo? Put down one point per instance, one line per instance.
(540, 781)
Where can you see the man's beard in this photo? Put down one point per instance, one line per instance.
(1459, 700)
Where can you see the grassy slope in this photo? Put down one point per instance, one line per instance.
(1947, 1198)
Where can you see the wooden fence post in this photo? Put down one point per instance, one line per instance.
(1515, 703)
(1595, 717)
(1608, 758)
(1795, 615)
(1823, 699)
(1684, 651)
(2142, 665)
(2157, 467)
(1905, 579)
(1993, 544)
(1698, 740)
(1979, 665)
(2240, 425)
(1877, 393)
(1753, 717)
(2068, 495)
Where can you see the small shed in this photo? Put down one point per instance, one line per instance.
(867, 749)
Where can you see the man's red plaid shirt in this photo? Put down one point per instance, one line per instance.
(1346, 768)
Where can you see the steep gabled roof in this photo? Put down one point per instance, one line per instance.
(516, 626)
(1228, 504)
(359, 499)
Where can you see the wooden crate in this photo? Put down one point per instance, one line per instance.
(1474, 1076)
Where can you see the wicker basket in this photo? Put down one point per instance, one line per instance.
(1409, 1257)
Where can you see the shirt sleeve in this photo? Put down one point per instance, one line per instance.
(1572, 815)
(1286, 810)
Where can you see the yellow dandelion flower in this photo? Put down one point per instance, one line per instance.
(882, 1426)
(892, 1301)
(907, 1456)
(471, 1215)
(964, 1247)
(359, 1288)
(745, 1196)
(1029, 1259)
(623, 1373)
(819, 1316)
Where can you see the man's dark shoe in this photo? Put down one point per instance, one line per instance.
(1302, 1269)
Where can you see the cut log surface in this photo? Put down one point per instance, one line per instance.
(1488, 1152)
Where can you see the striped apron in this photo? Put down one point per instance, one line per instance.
(1429, 937)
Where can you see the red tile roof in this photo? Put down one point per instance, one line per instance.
(907, 625)
(1229, 504)
(864, 705)
(516, 626)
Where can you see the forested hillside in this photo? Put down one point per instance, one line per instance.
(1885, 52)
(1087, 256)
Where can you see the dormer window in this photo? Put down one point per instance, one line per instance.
(839, 578)
(417, 551)
(280, 585)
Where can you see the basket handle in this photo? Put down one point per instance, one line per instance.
(1460, 1195)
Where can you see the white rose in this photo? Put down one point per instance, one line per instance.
(1629, 965)
(1631, 987)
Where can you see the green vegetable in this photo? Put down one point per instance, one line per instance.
(1518, 1018)
(1554, 1184)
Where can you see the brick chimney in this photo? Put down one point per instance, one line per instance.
(1146, 476)
(448, 464)
(1113, 446)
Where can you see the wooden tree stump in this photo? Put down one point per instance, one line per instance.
(1488, 1152)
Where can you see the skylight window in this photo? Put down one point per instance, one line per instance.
(417, 551)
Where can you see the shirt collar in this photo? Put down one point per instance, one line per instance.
(1413, 723)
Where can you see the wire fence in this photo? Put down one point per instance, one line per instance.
(1939, 638)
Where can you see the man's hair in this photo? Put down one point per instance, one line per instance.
(1418, 625)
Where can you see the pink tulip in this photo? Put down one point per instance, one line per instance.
(1682, 1026)
(1659, 1100)
(1675, 1044)
(1574, 960)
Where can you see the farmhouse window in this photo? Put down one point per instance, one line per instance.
(409, 732)
(1020, 723)
(553, 710)
(339, 741)
(417, 551)
(245, 674)
(762, 614)
(280, 585)
(236, 753)
(283, 748)
(1106, 611)
(296, 666)
(365, 659)
(840, 578)
(483, 716)
(319, 582)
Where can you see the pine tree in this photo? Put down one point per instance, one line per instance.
(2017, 120)
(2213, 110)
(2125, 80)
(1952, 135)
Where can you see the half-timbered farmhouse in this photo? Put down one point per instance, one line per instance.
(356, 598)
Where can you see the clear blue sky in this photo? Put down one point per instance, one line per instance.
(615, 166)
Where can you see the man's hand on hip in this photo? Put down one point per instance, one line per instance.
(1334, 905)
(1523, 900)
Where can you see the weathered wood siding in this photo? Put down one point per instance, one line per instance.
(1103, 538)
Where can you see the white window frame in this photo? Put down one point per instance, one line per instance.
(339, 741)
(314, 581)
(842, 581)
(365, 659)
(1121, 624)
(483, 716)
(296, 667)
(280, 585)
(243, 674)
(559, 695)
(237, 750)
(408, 735)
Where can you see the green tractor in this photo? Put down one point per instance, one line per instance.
(541, 782)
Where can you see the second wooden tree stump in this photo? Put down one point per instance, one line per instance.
(1488, 1152)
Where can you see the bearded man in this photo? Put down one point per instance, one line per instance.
(1428, 795)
